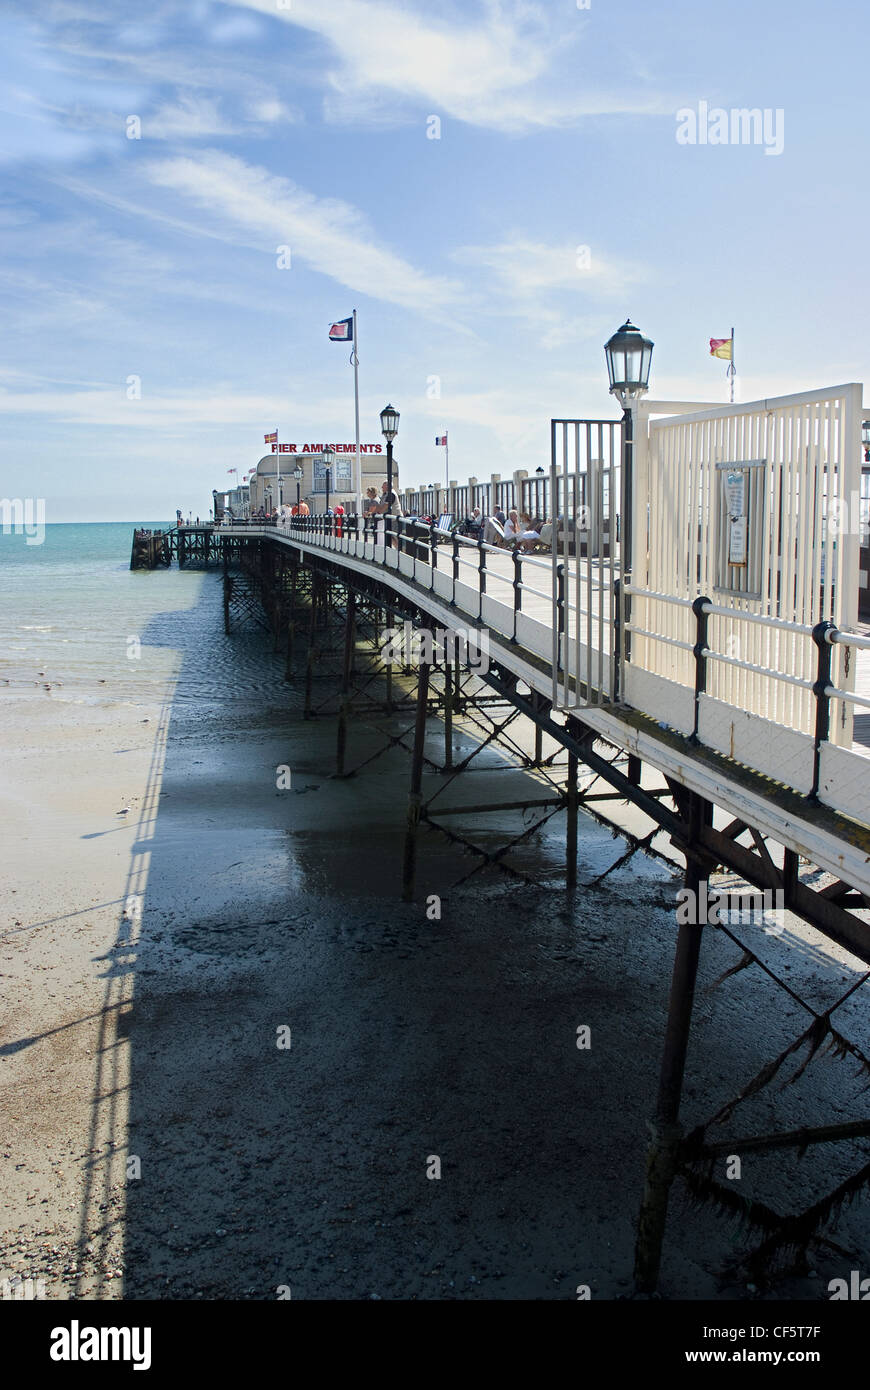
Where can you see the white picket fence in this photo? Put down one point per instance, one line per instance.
(798, 459)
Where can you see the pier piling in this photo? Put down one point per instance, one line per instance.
(409, 868)
(665, 1130)
(344, 702)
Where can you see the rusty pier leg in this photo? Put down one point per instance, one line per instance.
(291, 634)
(228, 587)
(388, 678)
(309, 668)
(665, 1130)
(344, 702)
(571, 826)
(291, 624)
(448, 716)
(409, 867)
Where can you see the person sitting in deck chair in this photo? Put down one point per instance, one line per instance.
(493, 531)
(512, 527)
(530, 534)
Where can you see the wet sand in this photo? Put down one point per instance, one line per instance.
(157, 1143)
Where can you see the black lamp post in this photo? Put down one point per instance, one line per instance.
(328, 459)
(389, 429)
(629, 356)
(297, 474)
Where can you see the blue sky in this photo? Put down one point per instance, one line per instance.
(305, 124)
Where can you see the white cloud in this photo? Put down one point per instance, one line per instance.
(108, 406)
(329, 235)
(526, 267)
(270, 109)
(549, 286)
(489, 72)
(190, 118)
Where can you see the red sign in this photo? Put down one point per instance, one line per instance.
(318, 448)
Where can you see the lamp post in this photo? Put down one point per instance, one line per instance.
(328, 460)
(389, 429)
(297, 474)
(629, 355)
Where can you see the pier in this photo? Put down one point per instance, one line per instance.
(714, 696)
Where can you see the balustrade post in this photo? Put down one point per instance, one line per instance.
(517, 588)
(560, 624)
(822, 636)
(699, 651)
(455, 539)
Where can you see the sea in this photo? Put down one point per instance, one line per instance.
(76, 618)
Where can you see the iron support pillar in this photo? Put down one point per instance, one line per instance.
(409, 868)
(665, 1131)
(344, 703)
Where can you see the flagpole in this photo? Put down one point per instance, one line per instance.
(447, 462)
(356, 417)
(277, 466)
(732, 370)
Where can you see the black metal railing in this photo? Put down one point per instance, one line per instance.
(386, 539)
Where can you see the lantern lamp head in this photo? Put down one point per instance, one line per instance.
(629, 356)
(389, 422)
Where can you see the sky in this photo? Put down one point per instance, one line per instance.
(190, 193)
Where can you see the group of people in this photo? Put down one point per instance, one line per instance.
(383, 503)
(511, 530)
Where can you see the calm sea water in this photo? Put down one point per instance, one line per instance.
(75, 617)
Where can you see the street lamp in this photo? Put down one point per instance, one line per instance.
(629, 355)
(328, 460)
(297, 474)
(389, 429)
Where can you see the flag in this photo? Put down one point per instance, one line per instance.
(232, 470)
(271, 438)
(722, 347)
(441, 441)
(342, 332)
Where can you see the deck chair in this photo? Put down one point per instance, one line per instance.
(545, 541)
(493, 532)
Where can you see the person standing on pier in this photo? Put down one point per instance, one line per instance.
(389, 506)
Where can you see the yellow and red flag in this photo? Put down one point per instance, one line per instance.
(722, 347)
(271, 438)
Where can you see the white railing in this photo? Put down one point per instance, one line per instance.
(795, 463)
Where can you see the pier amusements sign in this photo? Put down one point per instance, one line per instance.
(318, 448)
